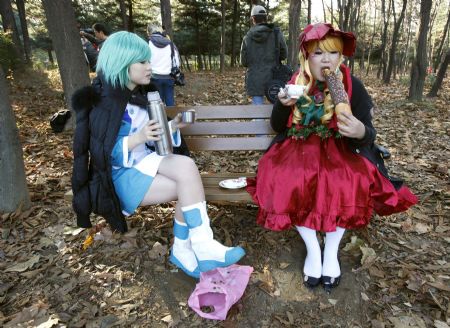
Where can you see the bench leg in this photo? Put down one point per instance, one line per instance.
(210, 253)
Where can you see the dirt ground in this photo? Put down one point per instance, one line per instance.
(395, 272)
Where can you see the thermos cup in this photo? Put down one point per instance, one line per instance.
(157, 112)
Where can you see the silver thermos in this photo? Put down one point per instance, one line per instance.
(157, 112)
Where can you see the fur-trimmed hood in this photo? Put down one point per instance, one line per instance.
(85, 98)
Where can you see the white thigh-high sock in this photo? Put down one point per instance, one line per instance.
(313, 261)
(331, 266)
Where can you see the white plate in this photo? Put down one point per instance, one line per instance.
(234, 183)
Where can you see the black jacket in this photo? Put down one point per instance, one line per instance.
(361, 104)
(99, 110)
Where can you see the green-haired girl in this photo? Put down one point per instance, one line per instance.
(115, 172)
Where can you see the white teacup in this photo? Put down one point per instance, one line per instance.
(294, 90)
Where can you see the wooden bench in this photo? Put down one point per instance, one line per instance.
(227, 128)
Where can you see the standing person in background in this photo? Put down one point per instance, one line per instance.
(90, 53)
(101, 33)
(258, 54)
(164, 56)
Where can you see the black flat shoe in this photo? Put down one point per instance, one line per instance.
(329, 283)
(311, 282)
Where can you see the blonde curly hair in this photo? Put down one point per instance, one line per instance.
(328, 44)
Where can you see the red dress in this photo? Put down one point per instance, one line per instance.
(320, 184)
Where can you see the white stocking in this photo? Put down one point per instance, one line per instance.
(331, 266)
(313, 261)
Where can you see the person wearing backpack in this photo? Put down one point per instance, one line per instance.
(260, 54)
(165, 56)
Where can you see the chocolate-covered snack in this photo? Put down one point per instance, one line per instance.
(337, 91)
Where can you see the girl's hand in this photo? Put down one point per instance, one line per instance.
(177, 122)
(285, 99)
(350, 126)
(150, 132)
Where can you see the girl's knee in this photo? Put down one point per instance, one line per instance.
(189, 164)
(185, 164)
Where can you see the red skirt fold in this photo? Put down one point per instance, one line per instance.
(321, 184)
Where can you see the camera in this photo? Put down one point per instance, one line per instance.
(87, 30)
(177, 75)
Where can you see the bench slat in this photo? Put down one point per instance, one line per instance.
(225, 112)
(227, 128)
(213, 179)
(244, 143)
(222, 195)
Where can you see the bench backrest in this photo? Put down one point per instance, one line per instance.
(236, 127)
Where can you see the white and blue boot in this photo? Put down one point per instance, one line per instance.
(210, 253)
(181, 253)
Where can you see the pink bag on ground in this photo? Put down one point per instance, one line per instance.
(218, 290)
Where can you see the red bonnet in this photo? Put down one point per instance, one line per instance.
(319, 31)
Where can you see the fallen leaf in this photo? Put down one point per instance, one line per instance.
(440, 324)
(24, 266)
(50, 322)
(368, 256)
(421, 228)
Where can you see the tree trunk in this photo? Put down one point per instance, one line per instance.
(324, 13)
(233, 32)
(186, 59)
(23, 24)
(9, 24)
(382, 67)
(405, 61)
(440, 76)
(197, 37)
(222, 39)
(309, 11)
(50, 56)
(123, 14)
(13, 184)
(341, 5)
(395, 37)
(130, 16)
(371, 39)
(166, 17)
(363, 50)
(441, 44)
(418, 68)
(431, 45)
(332, 13)
(295, 7)
(347, 12)
(66, 41)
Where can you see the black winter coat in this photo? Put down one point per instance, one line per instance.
(99, 114)
(361, 104)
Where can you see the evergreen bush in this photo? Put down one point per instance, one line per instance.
(8, 56)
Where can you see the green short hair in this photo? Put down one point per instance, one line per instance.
(119, 51)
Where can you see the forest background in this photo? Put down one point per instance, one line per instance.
(396, 271)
